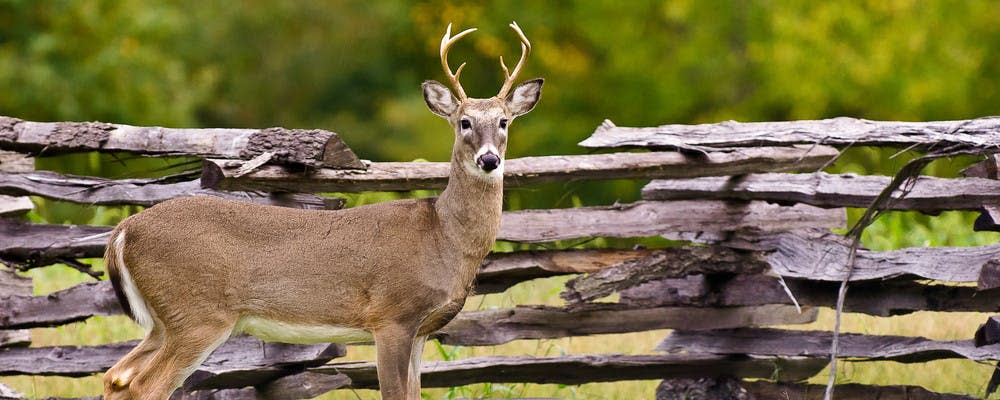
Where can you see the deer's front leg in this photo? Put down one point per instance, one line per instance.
(393, 348)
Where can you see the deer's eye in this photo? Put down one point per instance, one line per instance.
(503, 124)
(466, 124)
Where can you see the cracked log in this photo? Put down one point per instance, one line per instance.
(13, 285)
(402, 176)
(650, 218)
(310, 147)
(572, 370)
(39, 245)
(928, 194)
(982, 133)
(491, 327)
(239, 359)
(820, 255)
(793, 343)
(143, 192)
(500, 271)
(880, 298)
(735, 389)
(675, 262)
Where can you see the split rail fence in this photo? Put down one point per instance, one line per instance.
(748, 199)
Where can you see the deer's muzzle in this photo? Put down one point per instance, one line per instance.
(489, 161)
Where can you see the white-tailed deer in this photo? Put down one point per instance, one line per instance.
(193, 271)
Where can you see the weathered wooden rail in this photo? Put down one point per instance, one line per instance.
(747, 197)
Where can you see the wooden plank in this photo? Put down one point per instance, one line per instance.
(981, 133)
(402, 176)
(16, 162)
(579, 369)
(928, 194)
(849, 391)
(311, 147)
(675, 262)
(11, 206)
(143, 192)
(238, 358)
(13, 285)
(821, 255)
(39, 245)
(491, 327)
(735, 389)
(793, 343)
(880, 298)
(651, 218)
(500, 271)
(65, 306)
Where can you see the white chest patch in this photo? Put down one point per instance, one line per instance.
(278, 331)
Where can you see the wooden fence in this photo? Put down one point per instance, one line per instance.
(747, 198)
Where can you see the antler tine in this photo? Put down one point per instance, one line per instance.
(512, 76)
(446, 42)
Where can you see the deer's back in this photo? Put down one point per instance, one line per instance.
(247, 258)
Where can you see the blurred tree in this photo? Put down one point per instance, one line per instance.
(355, 67)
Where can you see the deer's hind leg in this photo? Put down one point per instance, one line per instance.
(180, 354)
(117, 378)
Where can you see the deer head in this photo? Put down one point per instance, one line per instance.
(481, 125)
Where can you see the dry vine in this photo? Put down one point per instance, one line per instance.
(903, 181)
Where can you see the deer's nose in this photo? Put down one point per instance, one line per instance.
(488, 161)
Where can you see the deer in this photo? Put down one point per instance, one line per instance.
(194, 271)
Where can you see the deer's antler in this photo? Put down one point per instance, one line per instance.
(511, 76)
(446, 42)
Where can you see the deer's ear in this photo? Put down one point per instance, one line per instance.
(439, 99)
(524, 97)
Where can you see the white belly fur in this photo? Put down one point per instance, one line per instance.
(278, 331)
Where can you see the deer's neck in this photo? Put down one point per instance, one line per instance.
(469, 212)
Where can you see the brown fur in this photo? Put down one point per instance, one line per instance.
(399, 269)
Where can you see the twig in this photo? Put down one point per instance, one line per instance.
(82, 267)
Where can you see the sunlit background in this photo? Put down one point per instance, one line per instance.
(355, 67)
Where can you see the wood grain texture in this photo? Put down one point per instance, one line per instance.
(402, 176)
(11, 161)
(143, 192)
(578, 369)
(309, 147)
(736, 389)
(821, 255)
(36, 245)
(877, 297)
(491, 327)
(676, 262)
(13, 285)
(982, 133)
(59, 308)
(239, 356)
(928, 194)
(788, 343)
(651, 218)
(500, 271)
